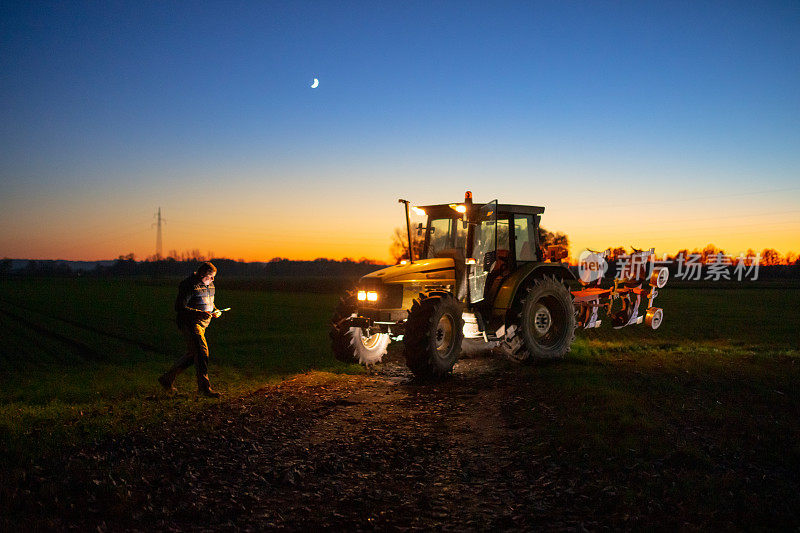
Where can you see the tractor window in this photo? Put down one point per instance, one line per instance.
(484, 252)
(446, 234)
(461, 234)
(523, 235)
(502, 234)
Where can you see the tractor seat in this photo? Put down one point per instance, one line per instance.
(503, 255)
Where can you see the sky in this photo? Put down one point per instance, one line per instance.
(650, 124)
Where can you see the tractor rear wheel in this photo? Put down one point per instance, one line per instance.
(545, 325)
(433, 335)
(354, 345)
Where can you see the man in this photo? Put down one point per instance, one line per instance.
(194, 307)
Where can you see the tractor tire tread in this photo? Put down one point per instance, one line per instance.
(417, 338)
(516, 347)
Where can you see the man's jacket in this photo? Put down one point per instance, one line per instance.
(193, 298)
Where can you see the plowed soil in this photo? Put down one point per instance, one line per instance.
(380, 451)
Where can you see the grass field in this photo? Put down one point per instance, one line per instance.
(79, 357)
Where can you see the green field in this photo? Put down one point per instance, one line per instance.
(79, 358)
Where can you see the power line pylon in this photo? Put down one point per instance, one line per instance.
(159, 248)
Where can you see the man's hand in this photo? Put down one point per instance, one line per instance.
(217, 313)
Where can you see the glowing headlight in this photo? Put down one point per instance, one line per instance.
(369, 296)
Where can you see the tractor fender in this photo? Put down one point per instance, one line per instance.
(429, 294)
(507, 293)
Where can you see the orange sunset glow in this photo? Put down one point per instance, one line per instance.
(359, 224)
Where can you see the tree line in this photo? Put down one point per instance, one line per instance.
(127, 265)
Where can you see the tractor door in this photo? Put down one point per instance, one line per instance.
(484, 252)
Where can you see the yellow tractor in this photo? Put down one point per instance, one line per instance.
(482, 278)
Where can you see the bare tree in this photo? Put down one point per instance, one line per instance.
(770, 256)
(548, 238)
(710, 253)
(399, 247)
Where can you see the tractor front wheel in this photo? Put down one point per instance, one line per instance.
(545, 325)
(433, 335)
(354, 345)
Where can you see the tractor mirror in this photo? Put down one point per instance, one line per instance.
(420, 229)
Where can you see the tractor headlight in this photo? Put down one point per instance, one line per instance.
(367, 296)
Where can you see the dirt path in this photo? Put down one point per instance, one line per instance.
(365, 452)
(358, 452)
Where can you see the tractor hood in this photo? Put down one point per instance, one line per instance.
(440, 270)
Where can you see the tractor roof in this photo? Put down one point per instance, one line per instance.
(444, 210)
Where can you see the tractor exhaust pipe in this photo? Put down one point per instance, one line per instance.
(408, 229)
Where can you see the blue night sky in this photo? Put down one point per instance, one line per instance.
(665, 124)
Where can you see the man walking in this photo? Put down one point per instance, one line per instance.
(194, 307)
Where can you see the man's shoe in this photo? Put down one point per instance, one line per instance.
(210, 393)
(166, 383)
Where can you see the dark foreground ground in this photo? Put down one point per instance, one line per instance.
(497, 446)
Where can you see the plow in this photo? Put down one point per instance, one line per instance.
(636, 284)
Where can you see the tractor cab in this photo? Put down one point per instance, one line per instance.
(487, 242)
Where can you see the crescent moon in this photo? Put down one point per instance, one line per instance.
(315, 84)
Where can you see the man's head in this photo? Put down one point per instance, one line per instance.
(206, 272)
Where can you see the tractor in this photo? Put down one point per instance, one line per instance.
(482, 278)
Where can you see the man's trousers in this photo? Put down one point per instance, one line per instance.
(196, 353)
